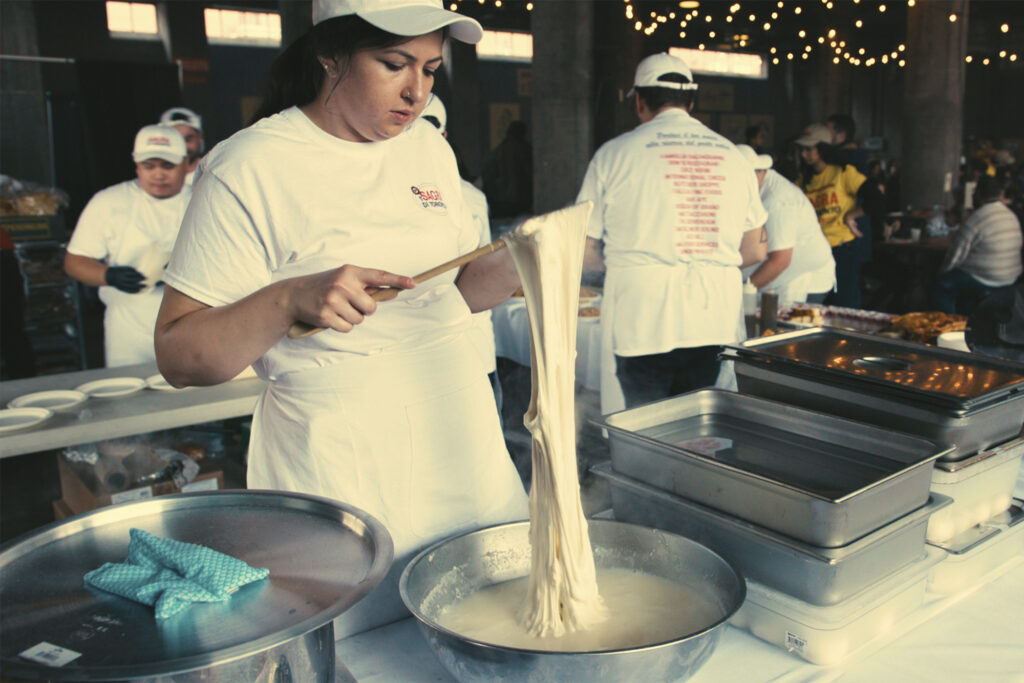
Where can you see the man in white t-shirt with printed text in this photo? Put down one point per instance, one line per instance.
(677, 212)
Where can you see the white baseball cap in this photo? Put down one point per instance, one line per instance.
(815, 134)
(760, 162)
(435, 108)
(402, 17)
(176, 116)
(662, 70)
(159, 142)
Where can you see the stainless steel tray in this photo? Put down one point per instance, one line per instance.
(946, 378)
(820, 576)
(960, 433)
(323, 556)
(821, 479)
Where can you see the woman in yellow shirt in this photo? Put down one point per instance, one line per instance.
(833, 190)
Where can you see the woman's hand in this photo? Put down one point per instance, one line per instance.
(851, 221)
(340, 299)
(197, 344)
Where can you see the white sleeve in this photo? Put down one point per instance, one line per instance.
(781, 227)
(593, 190)
(220, 256)
(93, 231)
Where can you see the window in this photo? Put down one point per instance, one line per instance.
(232, 27)
(715, 63)
(505, 46)
(132, 20)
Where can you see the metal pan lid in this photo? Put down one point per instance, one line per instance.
(323, 557)
(930, 372)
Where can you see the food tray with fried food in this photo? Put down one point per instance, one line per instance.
(926, 326)
(818, 315)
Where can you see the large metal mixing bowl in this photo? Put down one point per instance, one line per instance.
(456, 567)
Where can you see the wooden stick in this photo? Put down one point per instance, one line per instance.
(299, 330)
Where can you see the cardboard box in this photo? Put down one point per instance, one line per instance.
(78, 497)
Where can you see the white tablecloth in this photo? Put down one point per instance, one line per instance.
(512, 341)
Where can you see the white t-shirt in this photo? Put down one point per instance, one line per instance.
(119, 226)
(482, 333)
(672, 200)
(793, 224)
(283, 198)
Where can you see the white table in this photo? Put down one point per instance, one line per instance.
(512, 340)
(976, 635)
(109, 418)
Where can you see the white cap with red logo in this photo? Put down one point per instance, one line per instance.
(159, 142)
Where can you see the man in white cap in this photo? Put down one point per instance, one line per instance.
(123, 240)
(678, 212)
(190, 125)
(799, 266)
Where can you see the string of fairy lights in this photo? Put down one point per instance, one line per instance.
(850, 44)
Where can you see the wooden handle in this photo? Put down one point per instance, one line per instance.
(299, 330)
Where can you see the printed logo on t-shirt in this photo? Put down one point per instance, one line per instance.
(429, 196)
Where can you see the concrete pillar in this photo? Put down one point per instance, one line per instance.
(933, 101)
(618, 48)
(563, 103)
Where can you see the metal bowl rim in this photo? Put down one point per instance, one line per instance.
(409, 568)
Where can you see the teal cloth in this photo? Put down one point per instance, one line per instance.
(171, 575)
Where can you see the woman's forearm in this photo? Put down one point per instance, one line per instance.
(197, 345)
(488, 280)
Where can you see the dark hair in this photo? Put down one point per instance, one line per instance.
(516, 130)
(655, 98)
(827, 153)
(843, 123)
(432, 120)
(752, 131)
(295, 77)
(988, 190)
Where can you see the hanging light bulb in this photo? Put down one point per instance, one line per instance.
(789, 56)
(752, 18)
(885, 59)
(772, 49)
(798, 10)
(802, 33)
(711, 34)
(860, 51)
(1002, 54)
(911, 3)
(775, 60)
(902, 62)
(831, 33)
(1005, 28)
(638, 25)
(881, 8)
(1013, 57)
(968, 59)
(835, 60)
(767, 26)
(728, 18)
(682, 34)
(901, 47)
(952, 18)
(858, 23)
(804, 56)
(701, 46)
(775, 15)
(821, 40)
(529, 7)
(985, 61)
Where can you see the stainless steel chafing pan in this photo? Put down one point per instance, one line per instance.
(960, 401)
(820, 479)
(820, 576)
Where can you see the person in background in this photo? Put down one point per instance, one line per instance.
(482, 333)
(983, 255)
(15, 348)
(799, 266)
(337, 192)
(508, 174)
(677, 210)
(123, 239)
(755, 137)
(833, 191)
(190, 125)
(843, 132)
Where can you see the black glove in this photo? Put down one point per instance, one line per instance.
(125, 278)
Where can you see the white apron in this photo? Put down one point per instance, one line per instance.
(695, 278)
(411, 437)
(128, 324)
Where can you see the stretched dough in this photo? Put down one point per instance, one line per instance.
(562, 595)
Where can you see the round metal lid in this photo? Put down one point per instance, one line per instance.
(323, 557)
